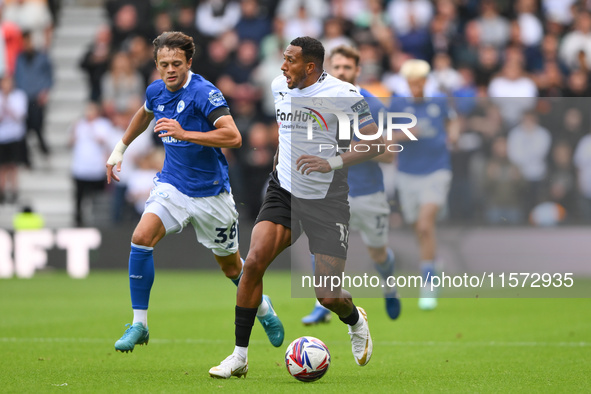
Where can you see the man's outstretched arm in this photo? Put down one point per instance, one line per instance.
(225, 134)
(139, 123)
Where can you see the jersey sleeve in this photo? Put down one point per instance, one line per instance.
(211, 103)
(151, 92)
(357, 105)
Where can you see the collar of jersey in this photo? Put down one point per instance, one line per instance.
(188, 79)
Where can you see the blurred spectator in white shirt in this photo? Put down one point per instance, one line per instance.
(528, 146)
(494, 28)
(90, 146)
(530, 27)
(141, 179)
(214, 17)
(315, 9)
(448, 79)
(576, 42)
(559, 10)
(301, 23)
(406, 15)
(582, 160)
(348, 9)
(13, 115)
(121, 85)
(142, 144)
(521, 90)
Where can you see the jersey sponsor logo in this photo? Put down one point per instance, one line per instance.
(366, 119)
(283, 94)
(296, 116)
(161, 107)
(180, 106)
(216, 98)
(169, 139)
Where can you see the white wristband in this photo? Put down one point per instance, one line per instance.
(117, 154)
(335, 162)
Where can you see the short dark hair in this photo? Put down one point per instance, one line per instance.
(312, 50)
(174, 40)
(346, 51)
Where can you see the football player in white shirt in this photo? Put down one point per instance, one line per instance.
(309, 191)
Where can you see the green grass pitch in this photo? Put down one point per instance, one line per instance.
(57, 335)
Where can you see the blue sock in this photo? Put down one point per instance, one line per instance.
(387, 267)
(141, 275)
(237, 280)
(428, 269)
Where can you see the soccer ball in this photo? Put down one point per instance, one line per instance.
(307, 359)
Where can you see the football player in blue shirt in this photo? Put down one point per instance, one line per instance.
(194, 123)
(424, 168)
(370, 210)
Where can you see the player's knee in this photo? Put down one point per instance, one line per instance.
(255, 267)
(378, 255)
(329, 303)
(143, 238)
(425, 229)
(231, 271)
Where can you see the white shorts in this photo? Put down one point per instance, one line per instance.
(417, 190)
(370, 215)
(214, 218)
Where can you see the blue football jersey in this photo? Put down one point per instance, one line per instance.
(195, 170)
(367, 178)
(429, 153)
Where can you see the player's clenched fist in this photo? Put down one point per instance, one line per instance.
(169, 128)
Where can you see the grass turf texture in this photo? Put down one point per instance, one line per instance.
(56, 331)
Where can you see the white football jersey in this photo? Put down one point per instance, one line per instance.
(317, 102)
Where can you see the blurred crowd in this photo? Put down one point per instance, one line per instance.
(518, 69)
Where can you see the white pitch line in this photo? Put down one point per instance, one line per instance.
(459, 342)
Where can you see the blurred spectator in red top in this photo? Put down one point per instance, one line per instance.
(33, 16)
(13, 41)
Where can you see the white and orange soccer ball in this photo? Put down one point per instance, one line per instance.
(307, 359)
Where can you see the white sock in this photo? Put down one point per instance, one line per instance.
(240, 351)
(263, 308)
(357, 325)
(318, 303)
(140, 315)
